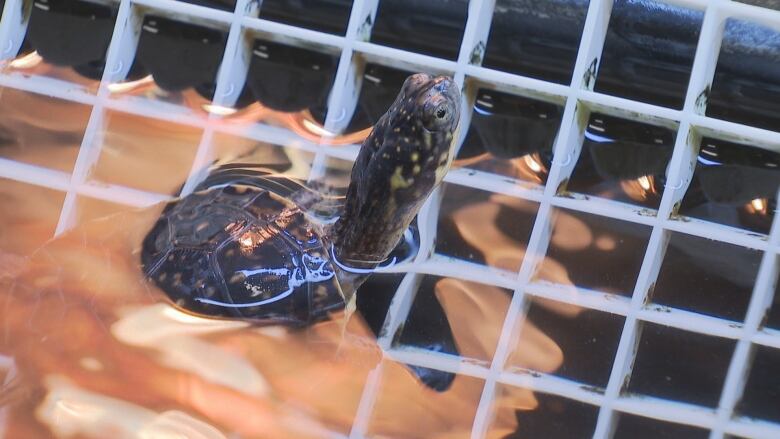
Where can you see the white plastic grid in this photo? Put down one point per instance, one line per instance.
(578, 98)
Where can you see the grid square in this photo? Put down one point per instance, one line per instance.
(88, 208)
(291, 79)
(707, 276)
(638, 63)
(669, 364)
(67, 40)
(594, 252)
(52, 142)
(290, 161)
(225, 5)
(146, 154)
(587, 338)
(433, 27)
(456, 317)
(623, 160)
(734, 185)
(484, 229)
(379, 88)
(330, 16)
(638, 427)
(511, 136)
(28, 215)
(543, 414)
(402, 403)
(746, 86)
(762, 391)
(427, 326)
(536, 39)
(182, 57)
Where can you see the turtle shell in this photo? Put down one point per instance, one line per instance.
(238, 246)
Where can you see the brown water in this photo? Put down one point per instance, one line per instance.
(96, 351)
(90, 349)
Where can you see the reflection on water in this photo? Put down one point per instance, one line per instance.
(29, 216)
(66, 40)
(623, 160)
(484, 228)
(98, 351)
(668, 365)
(544, 421)
(322, 15)
(594, 252)
(290, 79)
(510, 135)
(91, 339)
(131, 147)
(734, 184)
(707, 276)
(52, 142)
(639, 427)
(427, 323)
(588, 338)
(181, 55)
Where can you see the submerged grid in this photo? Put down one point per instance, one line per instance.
(578, 99)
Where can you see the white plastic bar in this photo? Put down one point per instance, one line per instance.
(90, 149)
(344, 95)
(12, 29)
(680, 169)
(230, 81)
(565, 150)
(761, 301)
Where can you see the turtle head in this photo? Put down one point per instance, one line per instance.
(399, 164)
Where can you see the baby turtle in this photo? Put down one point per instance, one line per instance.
(244, 245)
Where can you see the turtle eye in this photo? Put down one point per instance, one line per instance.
(437, 117)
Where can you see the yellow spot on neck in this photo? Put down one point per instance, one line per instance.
(415, 156)
(397, 181)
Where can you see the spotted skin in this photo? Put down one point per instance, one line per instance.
(400, 163)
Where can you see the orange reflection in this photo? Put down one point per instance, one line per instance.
(529, 167)
(639, 189)
(301, 123)
(758, 205)
(33, 64)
